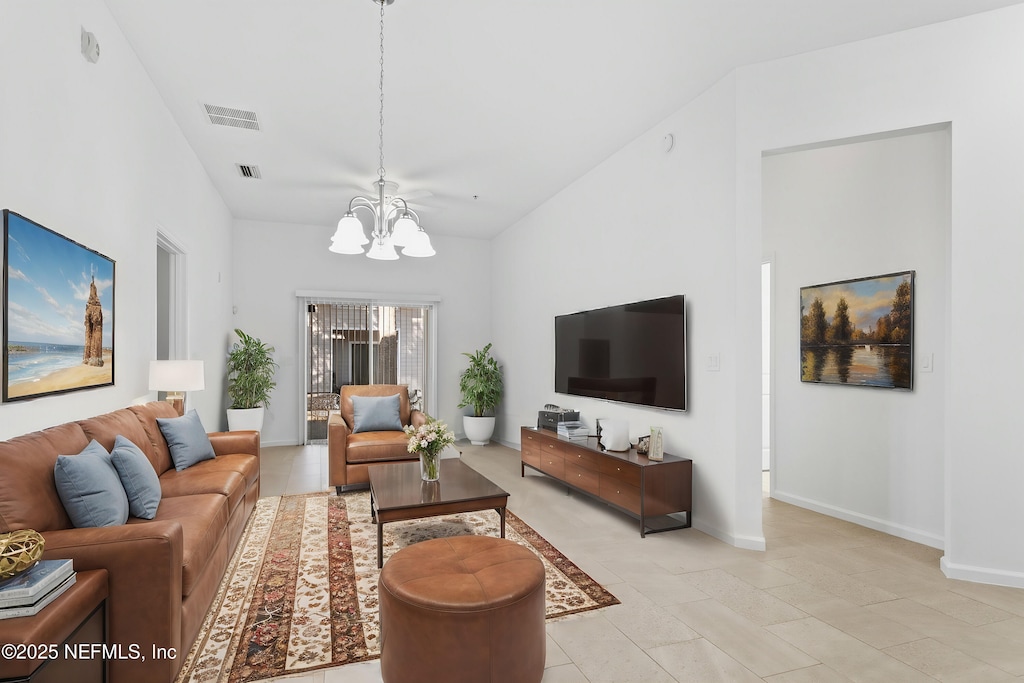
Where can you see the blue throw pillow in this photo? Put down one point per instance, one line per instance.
(187, 440)
(375, 414)
(90, 489)
(138, 478)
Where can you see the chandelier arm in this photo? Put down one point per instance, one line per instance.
(393, 209)
(360, 201)
(378, 232)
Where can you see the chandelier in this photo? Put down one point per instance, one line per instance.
(394, 223)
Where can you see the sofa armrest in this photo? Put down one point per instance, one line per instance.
(243, 441)
(143, 563)
(417, 417)
(337, 450)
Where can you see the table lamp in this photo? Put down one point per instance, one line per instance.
(176, 377)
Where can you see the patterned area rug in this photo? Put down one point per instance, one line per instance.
(300, 592)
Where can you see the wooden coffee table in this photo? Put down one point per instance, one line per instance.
(398, 492)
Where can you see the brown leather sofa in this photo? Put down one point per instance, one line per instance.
(351, 454)
(164, 572)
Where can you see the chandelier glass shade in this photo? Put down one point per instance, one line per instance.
(394, 223)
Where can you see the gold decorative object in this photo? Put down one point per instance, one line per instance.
(19, 550)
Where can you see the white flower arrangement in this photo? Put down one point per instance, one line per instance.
(428, 440)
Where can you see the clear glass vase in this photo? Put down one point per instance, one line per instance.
(430, 466)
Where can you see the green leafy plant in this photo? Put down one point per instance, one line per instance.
(481, 383)
(250, 372)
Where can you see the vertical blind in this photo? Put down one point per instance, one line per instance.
(362, 342)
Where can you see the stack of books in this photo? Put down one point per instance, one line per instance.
(573, 430)
(27, 593)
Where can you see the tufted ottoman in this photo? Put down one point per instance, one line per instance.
(463, 609)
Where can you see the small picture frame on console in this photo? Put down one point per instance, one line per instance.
(656, 450)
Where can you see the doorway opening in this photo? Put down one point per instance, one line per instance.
(171, 299)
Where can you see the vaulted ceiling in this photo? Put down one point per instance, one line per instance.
(491, 106)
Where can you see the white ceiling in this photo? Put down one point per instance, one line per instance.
(492, 106)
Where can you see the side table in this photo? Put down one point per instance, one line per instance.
(41, 643)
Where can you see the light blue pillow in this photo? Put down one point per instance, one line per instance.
(187, 439)
(375, 414)
(138, 478)
(90, 489)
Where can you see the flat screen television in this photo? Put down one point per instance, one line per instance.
(633, 353)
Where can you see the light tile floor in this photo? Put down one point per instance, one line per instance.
(827, 601)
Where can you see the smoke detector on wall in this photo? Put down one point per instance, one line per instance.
(90, 47)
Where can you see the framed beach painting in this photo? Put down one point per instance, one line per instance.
(58, 313)
(859, 332)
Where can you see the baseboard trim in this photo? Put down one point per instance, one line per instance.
(742, 542)
(280, 442)
(996, 577)
(885, 526)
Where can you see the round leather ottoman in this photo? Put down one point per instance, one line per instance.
(462, 609)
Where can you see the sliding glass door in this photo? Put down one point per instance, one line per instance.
(364, 342)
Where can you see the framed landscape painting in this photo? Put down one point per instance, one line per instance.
(58, 313)
(859, 332)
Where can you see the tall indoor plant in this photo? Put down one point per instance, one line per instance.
(481, 387)
(250, 380)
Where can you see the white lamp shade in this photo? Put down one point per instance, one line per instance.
(419, 246)
(349, 238)
(405, 230)
(176, 375)
(383, 250)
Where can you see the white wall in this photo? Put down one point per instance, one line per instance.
(273, 261)
(959, 72)
(90, 151)
(837, 212)
(643, 224)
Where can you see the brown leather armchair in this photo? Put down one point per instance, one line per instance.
(351, 454)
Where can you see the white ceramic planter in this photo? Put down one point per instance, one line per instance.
(246, 418)
(478, 429)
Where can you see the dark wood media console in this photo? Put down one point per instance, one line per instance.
(646, 489)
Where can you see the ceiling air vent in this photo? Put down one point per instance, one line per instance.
(235, 118)
(249, 171)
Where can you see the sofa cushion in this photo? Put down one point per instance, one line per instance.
(204, 519)
(107, 427)
(147, 414)
(378, 447)
(186, 439)
(375, 414)
(28, 497)
(90, 489)
(245, 464)
(138, 478)
(201, 478)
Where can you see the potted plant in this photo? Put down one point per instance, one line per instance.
(250, 381)
(481, 387)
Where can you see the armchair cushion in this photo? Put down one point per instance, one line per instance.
(376, 414)
(90, 489)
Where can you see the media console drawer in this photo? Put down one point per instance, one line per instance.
(583, 478)
(647, 489)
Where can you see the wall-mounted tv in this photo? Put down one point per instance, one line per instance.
(633, 353)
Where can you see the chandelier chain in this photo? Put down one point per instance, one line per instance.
(380, 168)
